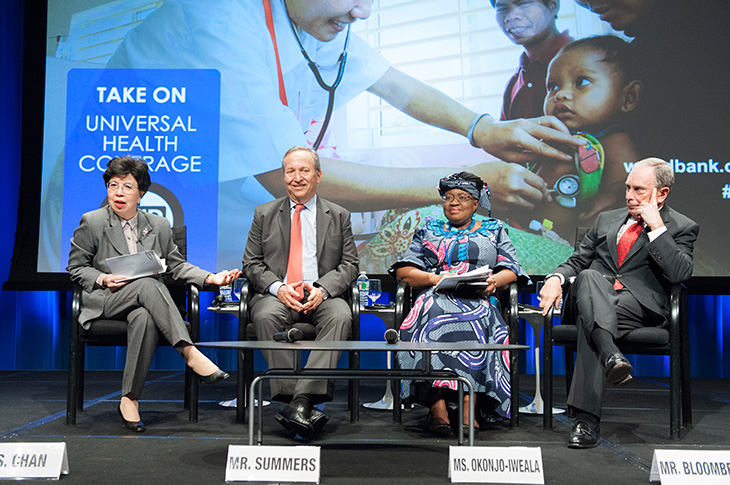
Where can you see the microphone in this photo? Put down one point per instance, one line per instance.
(391, 336)
(218, 300)
(291, 335)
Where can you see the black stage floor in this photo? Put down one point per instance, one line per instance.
(375, 450)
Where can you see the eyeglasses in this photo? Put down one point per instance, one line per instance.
(126, 188)
(463, 199)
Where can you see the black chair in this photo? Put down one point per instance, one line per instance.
(672, 340)
(113, 333)
(507, 298)
(246, 331)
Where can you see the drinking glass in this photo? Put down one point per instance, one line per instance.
(237, 285)
(374, 292)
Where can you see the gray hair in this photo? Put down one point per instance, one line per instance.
(663, 173)
(311, 151)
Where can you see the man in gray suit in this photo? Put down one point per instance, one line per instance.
(308, 287)
(623, 271)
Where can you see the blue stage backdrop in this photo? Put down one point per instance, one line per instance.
(34, 325)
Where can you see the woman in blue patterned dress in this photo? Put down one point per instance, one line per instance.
(461, 243)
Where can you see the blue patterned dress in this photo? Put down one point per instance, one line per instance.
(447, 317)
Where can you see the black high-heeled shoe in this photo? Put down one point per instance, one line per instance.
(135, 426)
(438, 426)
(216, 376)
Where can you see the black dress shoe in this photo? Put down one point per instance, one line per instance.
(438, 426)
(216, 376)
(318, 420)
(135, 426)
(618, 369)
(583, 435)
(296, 417)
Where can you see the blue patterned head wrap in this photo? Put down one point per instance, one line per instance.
(477, 188)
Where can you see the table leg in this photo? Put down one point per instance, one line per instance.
(537, 406)
(386, 402)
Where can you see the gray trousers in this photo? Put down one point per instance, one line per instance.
(592, 302)
(332, 320)
(147, 306)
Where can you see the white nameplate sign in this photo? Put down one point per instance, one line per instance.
(273, 464)
(682, 467)
(33, 460)
(495, 464)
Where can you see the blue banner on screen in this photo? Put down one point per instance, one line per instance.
(168, 117)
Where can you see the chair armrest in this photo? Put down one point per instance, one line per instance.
(194, 312)
(243, 315)
(402, 303)
(354, 299)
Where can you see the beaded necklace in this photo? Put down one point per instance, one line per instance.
(463, 247)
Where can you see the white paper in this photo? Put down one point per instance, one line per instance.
(451, 281)
(137, 265)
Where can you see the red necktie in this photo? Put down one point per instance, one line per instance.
(294, 265)
(628, 238)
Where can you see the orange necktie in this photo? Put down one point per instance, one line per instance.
(628, 238)
(294, 265)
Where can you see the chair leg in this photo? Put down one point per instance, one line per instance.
(72, 391)
(353, 394)
(192, 394)
(81, 366)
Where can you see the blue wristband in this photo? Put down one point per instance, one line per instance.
(470, 132)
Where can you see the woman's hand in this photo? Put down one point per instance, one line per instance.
(114, 281)
(417, 278)
(223, 278)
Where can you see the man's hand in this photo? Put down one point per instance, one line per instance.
(512, 184)
(648, 211)
(525, 140)
(289, 296)
(316, 297)
(113, 281)
(224, 277)
(551, 294)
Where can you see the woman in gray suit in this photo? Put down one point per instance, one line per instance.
(145, 303)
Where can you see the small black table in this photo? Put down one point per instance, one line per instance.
(426, 372)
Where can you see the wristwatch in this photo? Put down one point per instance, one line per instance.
(325, 293)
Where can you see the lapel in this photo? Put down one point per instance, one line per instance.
(612, 234)
(284, 222)
(323, 221)
(145, 234)
(114, 233)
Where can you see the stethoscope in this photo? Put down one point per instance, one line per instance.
(313, 67)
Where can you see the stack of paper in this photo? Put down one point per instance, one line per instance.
(477, 277)
(137, 265)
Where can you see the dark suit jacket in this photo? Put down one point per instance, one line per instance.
(100, 236)
(650, 269)
(267, 249)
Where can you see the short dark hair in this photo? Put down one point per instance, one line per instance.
(616, 51)
(123, 166)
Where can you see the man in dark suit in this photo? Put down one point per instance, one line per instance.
(301, 275)
(622, 274)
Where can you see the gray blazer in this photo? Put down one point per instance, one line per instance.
(100, 236)
(267, 249)
(650, 269)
